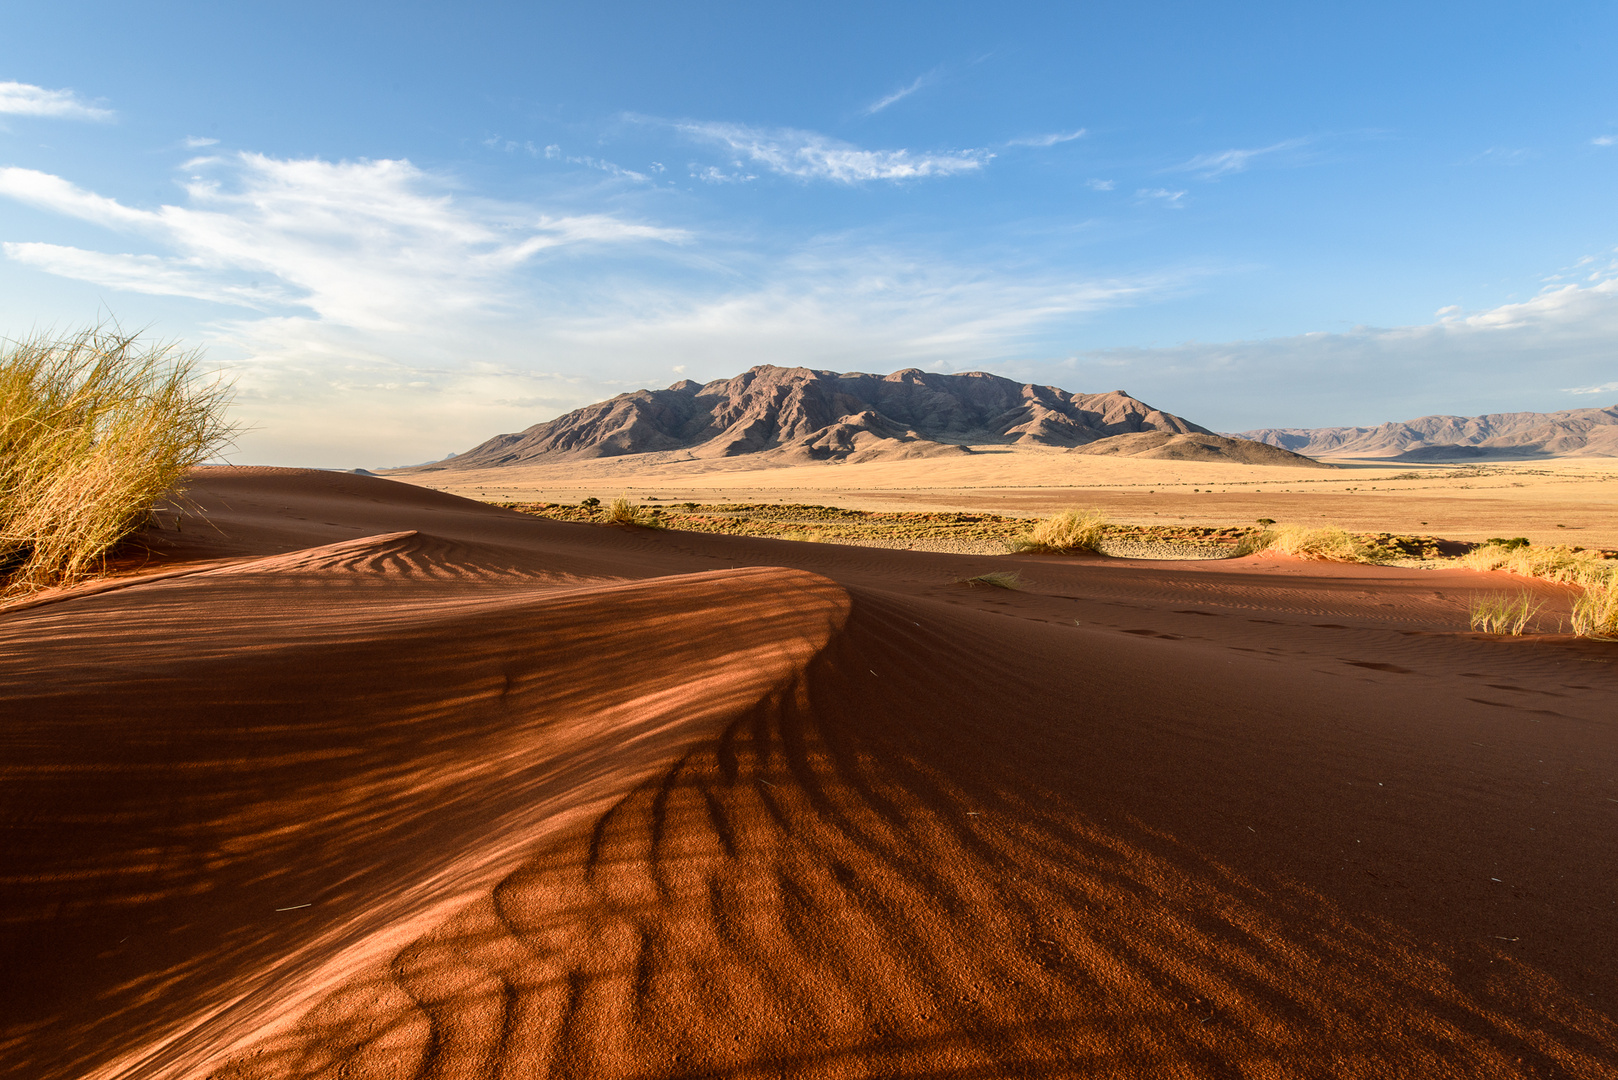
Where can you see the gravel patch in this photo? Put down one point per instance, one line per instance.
(1150, 549)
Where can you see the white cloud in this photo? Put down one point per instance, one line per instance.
(1507, 358)
(1175, 200)
(23, 99)
(811, 156)
(1210, 166)
(197, 142)
(1100, 185)
(900, 94)
(377, 315)
(1605, 140)
(1048, 140)
(373, 244)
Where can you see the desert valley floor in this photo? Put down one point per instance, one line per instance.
(352, 778)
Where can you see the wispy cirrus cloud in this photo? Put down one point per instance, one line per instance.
(1174, 200)
(371, 244)
(1212, 166)
(1053, 139)
(808, 155)
(900, 94)
(24, 99)
(1604, 140)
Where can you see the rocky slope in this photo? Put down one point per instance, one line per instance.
(1569, 433)
(798, 415)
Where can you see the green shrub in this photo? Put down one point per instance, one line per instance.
(95, 427)
(1069, 531)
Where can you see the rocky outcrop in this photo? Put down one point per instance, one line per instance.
(800, 414)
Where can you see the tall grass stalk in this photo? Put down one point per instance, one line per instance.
(1071, 530)
(1501, 614)
(95, 427)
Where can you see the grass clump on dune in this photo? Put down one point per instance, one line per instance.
(623, 512)
(1069, 531)
(1500, 614)
(1559, 563)
(1595, 609)
(95, 427)
(1326, 543)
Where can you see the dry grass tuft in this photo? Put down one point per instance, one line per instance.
(998, 579)
(623, 512)
(1595, 611)
(95, 427)
(1069, 531)
(1327, 543)
(1560, 563)
(1501, 614)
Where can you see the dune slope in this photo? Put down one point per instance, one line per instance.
(576, 801)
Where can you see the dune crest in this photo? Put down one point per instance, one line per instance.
(613, 802)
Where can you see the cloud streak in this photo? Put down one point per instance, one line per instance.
(807, 155)
(899, 95)
(1225, 162)
(24, 99)
(1042, 141)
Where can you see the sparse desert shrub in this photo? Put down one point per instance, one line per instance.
(1498, 613)
(590, 503)
(624, 512)
(1071, 530)
(95, 427)
(1327, 543)
(998, 579)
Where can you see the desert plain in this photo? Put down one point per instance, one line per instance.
(1556, 501)
(342, 776)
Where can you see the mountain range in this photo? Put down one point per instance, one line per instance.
(793, 415)
(1513, 435)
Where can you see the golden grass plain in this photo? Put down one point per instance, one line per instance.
(1567, 501)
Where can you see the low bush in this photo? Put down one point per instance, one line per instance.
(1069, 531)
(95, 427)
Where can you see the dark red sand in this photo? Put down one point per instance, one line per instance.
(354, 779)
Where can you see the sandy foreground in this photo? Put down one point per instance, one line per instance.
(1568, 501)
(350, 778)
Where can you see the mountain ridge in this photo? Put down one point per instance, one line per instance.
(1439, 437)
(795, 415)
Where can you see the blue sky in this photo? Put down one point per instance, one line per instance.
(405, 227)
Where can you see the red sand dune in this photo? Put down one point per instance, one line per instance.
(354, 779)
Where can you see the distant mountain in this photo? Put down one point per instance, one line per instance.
(795, 415)
(1519, 435)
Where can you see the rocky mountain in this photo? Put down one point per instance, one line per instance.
(1520, 435)
(800, 415)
